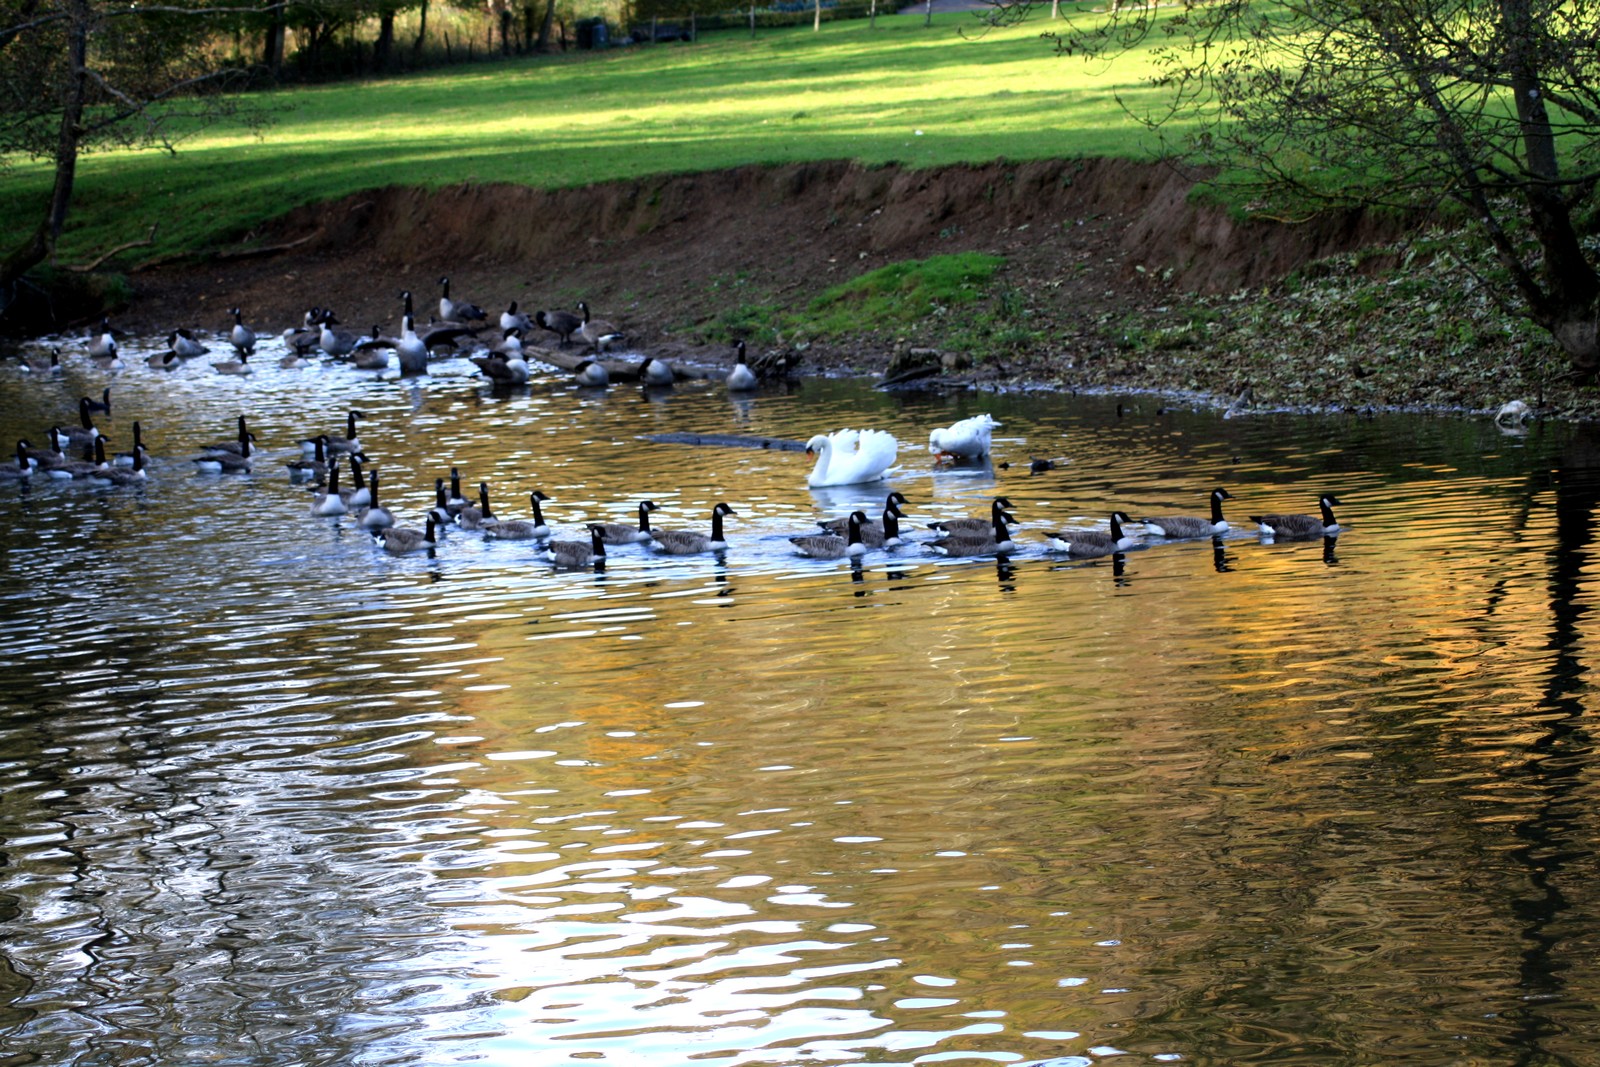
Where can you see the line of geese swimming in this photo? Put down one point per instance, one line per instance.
(849, 537)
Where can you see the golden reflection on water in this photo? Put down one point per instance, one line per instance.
(1248, 802)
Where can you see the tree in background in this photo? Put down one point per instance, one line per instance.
(1487, 107)
(77, 75)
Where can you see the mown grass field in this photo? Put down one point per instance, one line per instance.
(901, 93)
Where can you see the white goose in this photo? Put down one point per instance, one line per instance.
(850, 457)
(966, 439)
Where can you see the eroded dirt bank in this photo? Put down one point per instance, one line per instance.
(1085, 242)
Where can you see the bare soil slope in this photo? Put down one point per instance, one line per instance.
(1085, 241)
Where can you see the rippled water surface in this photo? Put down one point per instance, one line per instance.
(269, 795)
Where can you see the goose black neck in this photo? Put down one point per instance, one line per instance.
(1216, 507)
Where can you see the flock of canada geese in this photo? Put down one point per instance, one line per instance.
(846, 457)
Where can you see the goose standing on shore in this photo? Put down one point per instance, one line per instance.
(596, 333)
(458, 310)
(561, 323)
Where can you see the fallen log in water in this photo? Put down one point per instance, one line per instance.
(726, 440)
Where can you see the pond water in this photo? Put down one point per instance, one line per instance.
(269, 795)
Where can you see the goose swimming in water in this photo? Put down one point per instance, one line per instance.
(1180, 526)
(1089, 542)
(522, 529)
(996, 541)
(693, 542)
(479, 517)
(620, 533)
(574, 554)
(833, 546)
(966, 439)
(375, 515)
(973, 524)
(851, 457)
(592, 373)
(1301, 527)
(399, 540)
(874, 534)
(331, 502)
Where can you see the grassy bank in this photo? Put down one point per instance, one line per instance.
(903, 93)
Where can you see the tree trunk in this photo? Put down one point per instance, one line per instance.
(872, 16)
(272, 44)
(549, 22)
(505, 31)
(1055, 9)
(41, 244)
(816, 15)
(927, 16)
(383, 47)
(422, 33)
(753, 20)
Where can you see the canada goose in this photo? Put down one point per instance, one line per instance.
(441, 502)
(167, 360)
(478, 517)
(966, 439)
(1094, 542)
(336, 343)
(23, 470)
(184, 344)
(692, 542)
(597, 333)
(522, 529)
(372, 351)
(128, 458)
(873, 535)
(82, 434)
(850, 457)
(235, 366)
(996, 541)
(457, 310)
(512, 319)
(561, 323)
(85, 468)
(591, 373)
(447, 334)
(45, 458)
(335, 444)
(359, 495)
(376, 516)
(330, 502)
(1298, 527)
(110, 474)
(225, 462)
(742, 379)
(973, 524)
(314, 469)
(410, 350)
(37, 363)
(101, 406)
(620, 533)
(238, 446)
(398, 540)
(1191, 526)
(573, 554)
(242, 337)
(654, 371)
(833, 546)
(456, 501)
(103, 347)
(504, 364)
(304, 338)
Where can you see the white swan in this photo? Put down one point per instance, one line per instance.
(850, 457)
(967, 439)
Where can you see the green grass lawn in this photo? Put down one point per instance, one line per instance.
(901, 93)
